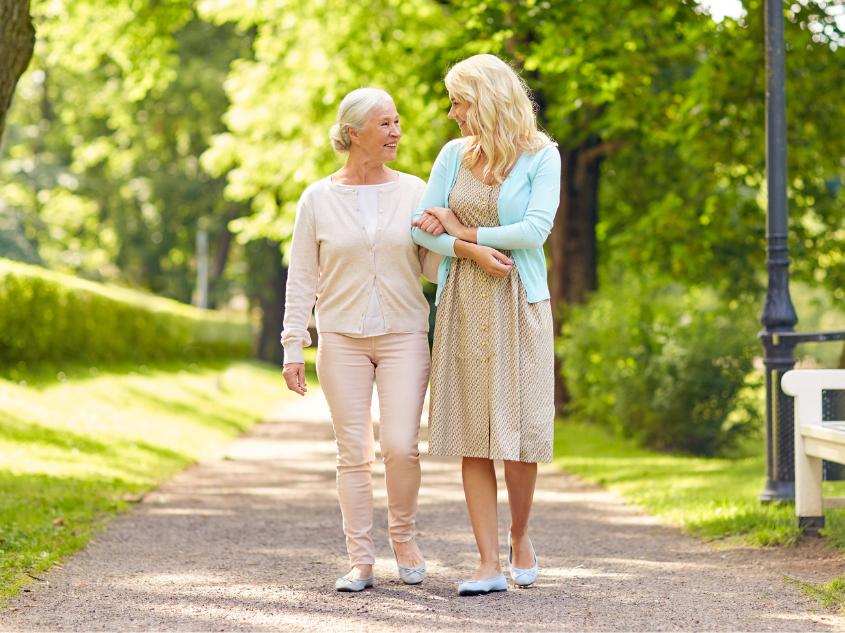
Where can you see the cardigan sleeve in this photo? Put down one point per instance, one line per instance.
(436, 195)
(534, 228)
(429, 260)
(301, 290)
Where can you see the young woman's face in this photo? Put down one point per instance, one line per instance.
(379, 138)
(458, 113)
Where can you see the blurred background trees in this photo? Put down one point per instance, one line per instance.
(140, 123)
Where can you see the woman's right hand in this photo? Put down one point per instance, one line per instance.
(491, 261)
(294, 374)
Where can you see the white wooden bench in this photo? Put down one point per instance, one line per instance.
(815, 440)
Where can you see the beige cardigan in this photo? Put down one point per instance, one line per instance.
(333, 262)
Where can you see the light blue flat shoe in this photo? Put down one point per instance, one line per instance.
(522, 577)
(353, 585)
(409, 575)
(481, 587)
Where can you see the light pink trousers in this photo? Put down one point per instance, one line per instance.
(346, 368)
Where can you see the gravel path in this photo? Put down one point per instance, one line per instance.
(252, 542)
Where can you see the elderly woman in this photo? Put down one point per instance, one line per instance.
(352, 254)
(495, 192)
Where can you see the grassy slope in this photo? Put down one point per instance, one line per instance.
(139, 298)
(713, 498)
(76, 449)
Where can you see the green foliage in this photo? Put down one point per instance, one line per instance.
(665, 365)
(118, 435)
(306, 57)
(819, 312)
(687, 199)
(101, 170)
(48, 316)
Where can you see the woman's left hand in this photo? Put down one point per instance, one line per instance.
(429, 223)
(448, 219)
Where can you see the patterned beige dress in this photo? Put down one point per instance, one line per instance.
(492, 366)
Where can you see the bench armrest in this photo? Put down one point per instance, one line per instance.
(806, 385)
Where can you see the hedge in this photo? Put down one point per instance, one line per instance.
(663, 364)
(49, 316)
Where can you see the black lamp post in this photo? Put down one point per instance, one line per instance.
(778, 336)
(778, 315)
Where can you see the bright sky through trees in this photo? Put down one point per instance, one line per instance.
(721, 9)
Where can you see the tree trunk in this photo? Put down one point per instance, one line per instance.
(17, 40)
(572, 245)
(271, 278)
(220, 257)
(222, 246)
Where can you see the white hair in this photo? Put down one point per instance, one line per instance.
(353, 112)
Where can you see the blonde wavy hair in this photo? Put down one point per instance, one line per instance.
(500, 114)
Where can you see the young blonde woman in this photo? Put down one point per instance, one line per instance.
(352, 255)
(495, 192)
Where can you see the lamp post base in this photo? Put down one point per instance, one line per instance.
(775, 491)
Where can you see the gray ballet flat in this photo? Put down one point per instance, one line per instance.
(409, 575)
(481, 587)
(353, 584)
(522, 577)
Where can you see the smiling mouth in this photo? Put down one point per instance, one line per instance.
(390, 145)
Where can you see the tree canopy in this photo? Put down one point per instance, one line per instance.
(137, 125)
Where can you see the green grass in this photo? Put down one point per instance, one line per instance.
(712, 498)
(829, 594)
(78, 446)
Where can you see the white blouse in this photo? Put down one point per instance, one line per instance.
(368, 208)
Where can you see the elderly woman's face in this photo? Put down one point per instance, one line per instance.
(458, 113)
(379, 138)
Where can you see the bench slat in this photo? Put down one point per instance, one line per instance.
(825, 448)
(830, 432)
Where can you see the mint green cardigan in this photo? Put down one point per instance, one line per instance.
(527, 203)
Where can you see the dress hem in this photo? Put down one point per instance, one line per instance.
(494, 458)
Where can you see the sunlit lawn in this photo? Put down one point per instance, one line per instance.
(77, 449)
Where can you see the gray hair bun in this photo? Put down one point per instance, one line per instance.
(339, 136)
